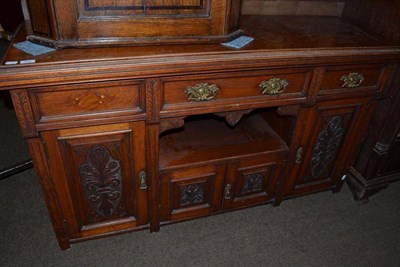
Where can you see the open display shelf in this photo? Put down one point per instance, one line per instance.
(207, 138)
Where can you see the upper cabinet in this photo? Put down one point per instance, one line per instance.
(137, 22)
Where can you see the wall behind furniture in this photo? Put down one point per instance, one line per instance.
(293, 7)
(382, 19)
(10, 14)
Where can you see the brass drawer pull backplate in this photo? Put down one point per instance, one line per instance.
(352, 80)
(202, 92)
(273, 86)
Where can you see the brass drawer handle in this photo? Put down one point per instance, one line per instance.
(299, 156)
(143, 180)
(202, 92)
(274, 86)
(227, 193)
(352, 80)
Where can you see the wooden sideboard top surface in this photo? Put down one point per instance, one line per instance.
(278, 40)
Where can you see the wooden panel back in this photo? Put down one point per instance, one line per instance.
(380, 17)
(41, 21)
(290, 7)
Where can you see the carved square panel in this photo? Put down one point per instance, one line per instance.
(191, 192)
(252, 181)
(191, 195)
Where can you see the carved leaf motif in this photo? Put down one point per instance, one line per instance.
(293, 111)
(24, 113)
(171, 123)
(191, 194)
(326, 146)
(252, 183)
(233, 117)
(101, 179)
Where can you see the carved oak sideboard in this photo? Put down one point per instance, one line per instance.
(131, 138)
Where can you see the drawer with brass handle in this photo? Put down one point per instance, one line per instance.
(352, 79)
(216, 91)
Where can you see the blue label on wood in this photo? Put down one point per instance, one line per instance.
(33, 49)
(239, 42)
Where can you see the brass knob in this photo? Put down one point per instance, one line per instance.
(352, 80)
(202, 92)
(273, 86)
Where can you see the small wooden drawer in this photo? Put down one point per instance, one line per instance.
(355, 78)
(238, 88)
(88, 101)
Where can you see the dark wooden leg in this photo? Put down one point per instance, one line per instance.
(338, 187)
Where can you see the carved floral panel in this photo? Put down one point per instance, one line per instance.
(191, 195)
(252, 183)
(326, 147)
(101, 180)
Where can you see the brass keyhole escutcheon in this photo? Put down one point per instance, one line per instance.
(227, 193)
(143, 180)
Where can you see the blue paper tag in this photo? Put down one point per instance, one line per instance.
(33, 49)
(239, 42)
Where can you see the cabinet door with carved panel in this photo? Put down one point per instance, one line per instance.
(252, 181)
(331, 134)
(191, 192)
(99, 176)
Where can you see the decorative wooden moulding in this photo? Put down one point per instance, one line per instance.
(76, 23)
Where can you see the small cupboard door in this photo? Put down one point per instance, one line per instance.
(331, 134)
(99, 177)
(251, 181)
(191, 192)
